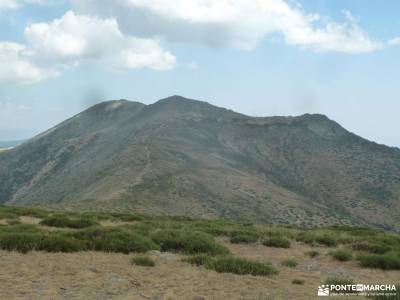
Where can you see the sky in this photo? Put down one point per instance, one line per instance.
(259, 57)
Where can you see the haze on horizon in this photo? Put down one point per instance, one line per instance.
(260, 58)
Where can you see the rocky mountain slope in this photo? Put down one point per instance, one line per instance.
(186, 157)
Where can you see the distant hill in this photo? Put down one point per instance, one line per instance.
(186, 157)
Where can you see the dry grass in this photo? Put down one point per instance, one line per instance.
(94, 275)
(97, 275)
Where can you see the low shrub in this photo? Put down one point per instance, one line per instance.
(326, 240)
(114, 240)
(63, 221)
(312, 238)
(389, 261)
(298, 281)
(143, 261)
(371, 248)
(4, 215)
(244, 239)
(61, 243)
(22, 242)
(188, 242)
(312, 253)
(290, 263)
(306, 237)
(234, 265)
(342, 255)
(277, 242)
(199, 259)
(24, 238)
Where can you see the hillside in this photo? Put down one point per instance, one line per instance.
(185, 157)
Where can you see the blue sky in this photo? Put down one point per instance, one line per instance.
(270, 57)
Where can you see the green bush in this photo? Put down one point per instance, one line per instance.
(61, 243)
(371, 248)
(7, 216)
(326, 240)
(313, 238)
(388, 261)
(241, 266)
(290, 263)
(342, 255)
(24, 238)
(22, 242)
(144, 261)
(230, 264)
(188, 242)
(114, 240)
(298, 281)
(277, 242)
(305, 237)
(63, 221)
(243, 239)
(199, 259)
(312, 253)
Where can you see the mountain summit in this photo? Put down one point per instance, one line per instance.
(186, 157)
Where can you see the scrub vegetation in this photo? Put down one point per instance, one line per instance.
(199, 239)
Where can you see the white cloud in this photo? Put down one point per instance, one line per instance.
(231, 23)
(8, 4)
(14, 4)
(77, 38)
(73, 40)
(16, 65)
(394, 42)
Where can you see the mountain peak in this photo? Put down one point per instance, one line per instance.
(180, 100)
(113, 106)
(321, 125)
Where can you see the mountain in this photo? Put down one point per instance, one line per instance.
(186, 157)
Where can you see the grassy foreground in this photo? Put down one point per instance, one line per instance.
(196, 238)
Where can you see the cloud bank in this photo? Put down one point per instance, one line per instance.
(75, 39)
(127, 34)
(231, 23)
